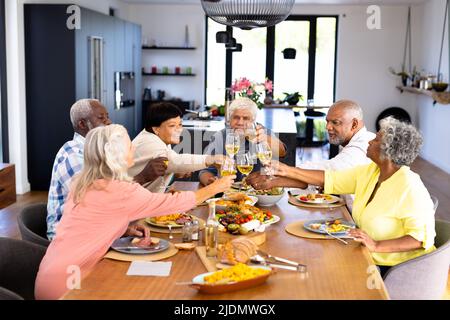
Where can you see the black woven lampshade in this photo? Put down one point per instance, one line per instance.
(248, 14)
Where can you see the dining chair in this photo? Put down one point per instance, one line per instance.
(32, 221)
(425, 277)
(435, 202)
(19, 264)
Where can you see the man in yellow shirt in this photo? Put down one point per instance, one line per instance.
(392, 209)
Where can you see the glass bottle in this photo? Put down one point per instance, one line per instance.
(211, 231)
(187, 232)
(195, 230)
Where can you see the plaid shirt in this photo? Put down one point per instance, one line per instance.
(68, 162)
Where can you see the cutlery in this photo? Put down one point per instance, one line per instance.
(137, 248)
(261, 261)
(337, 238)
(258, 259)
(283, 260)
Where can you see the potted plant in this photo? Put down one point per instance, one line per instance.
(403, 74)
(292, 98)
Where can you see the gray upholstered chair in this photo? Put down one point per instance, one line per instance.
(32, 222)
(19, 264)
(435, 202)
(424, 277)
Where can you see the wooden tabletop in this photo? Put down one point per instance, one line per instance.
(335, 270)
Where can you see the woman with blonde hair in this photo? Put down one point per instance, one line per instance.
(102, 202)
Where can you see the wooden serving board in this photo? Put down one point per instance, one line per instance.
(209, 262)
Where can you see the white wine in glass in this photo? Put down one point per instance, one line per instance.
(232, 144)
(250, 132)
(245, 169)
(264, 154)
(228, 168)
(244, 163)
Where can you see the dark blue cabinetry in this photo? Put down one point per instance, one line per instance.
(58, 72)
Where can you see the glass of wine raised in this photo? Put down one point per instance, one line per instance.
(244, 164)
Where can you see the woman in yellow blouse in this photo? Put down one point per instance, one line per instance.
(392, 210)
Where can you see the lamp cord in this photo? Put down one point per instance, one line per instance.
(442, 42)
(408, 40)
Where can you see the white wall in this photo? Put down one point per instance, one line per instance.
(15, 57)
(165, 24)
(434, 120)
(364, 56)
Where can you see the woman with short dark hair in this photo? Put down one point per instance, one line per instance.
(163, 128)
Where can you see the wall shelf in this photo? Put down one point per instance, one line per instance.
(169, 74)
(438, 97)
(167, 48)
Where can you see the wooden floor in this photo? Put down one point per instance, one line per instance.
(436, 180)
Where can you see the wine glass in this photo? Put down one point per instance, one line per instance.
(264, 154)
(232, 144)
(228, 168)
(250, 131)
(244, 165)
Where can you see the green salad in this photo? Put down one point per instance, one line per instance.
(270, 192)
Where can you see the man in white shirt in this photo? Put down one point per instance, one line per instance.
(345, 128)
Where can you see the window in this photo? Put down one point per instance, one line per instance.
(311, 73)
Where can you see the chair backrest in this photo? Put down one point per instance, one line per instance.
(424, 277)
(435, 202)
(6, 294)
(32, 222)
(19, 264)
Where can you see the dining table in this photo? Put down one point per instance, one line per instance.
(335, 271)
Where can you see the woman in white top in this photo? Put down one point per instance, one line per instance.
(163, 128)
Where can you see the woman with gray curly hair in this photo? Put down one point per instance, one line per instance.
(393, 210)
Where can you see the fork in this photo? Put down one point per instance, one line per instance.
(337, 238)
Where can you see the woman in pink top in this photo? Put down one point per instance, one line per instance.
(102, 203)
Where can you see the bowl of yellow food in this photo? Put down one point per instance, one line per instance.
(238, 277)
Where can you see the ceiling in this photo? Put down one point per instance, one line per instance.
(337, 2)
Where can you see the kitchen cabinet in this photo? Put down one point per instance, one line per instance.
(58, 73)
(7, 185)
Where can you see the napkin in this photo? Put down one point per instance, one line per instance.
(146, 268)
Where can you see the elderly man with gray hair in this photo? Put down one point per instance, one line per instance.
(346, 129)
(242, 113)
(85, 114)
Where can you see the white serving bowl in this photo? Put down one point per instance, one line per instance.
(268, 200)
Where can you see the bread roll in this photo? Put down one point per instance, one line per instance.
(237, 250)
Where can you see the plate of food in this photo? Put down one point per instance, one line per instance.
(327, 226)
(233, 199)
(135, 245)
(317, 198)
(176, 220)
(237, 277)
(240, 219)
